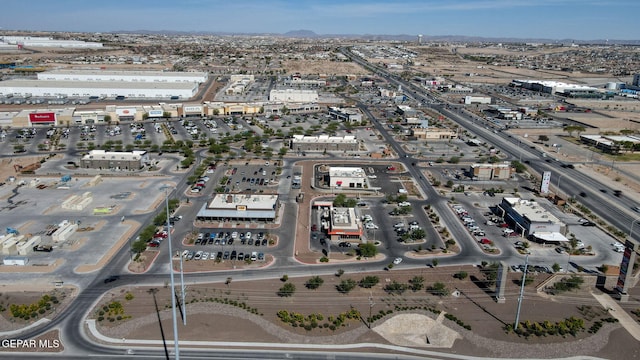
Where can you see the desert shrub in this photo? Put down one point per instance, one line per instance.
(314, 283)
(395, 288)
(438, 289)
(346, 286)
(368, 282)
(287, 290)
(461, 275)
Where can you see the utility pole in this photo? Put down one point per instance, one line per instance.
(524, 277)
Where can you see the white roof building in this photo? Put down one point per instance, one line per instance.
(115, 75)
(129, 89)
(240, 207)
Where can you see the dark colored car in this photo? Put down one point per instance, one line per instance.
(111, 279)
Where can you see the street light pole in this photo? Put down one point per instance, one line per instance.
(558, 185)
(173, 284)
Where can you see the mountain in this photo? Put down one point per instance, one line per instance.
(309, 34)
(300, 34)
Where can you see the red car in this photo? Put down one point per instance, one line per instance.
(485, 241)
(314, 227)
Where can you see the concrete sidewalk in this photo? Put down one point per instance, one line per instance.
(617, 312)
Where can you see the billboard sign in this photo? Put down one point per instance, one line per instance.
(546, 179)
(42, 118)
(626, 267)
(156, 113)
(126, 112)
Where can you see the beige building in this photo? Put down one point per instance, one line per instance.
(101, 159)
(324, 143)
(432, 133)
(500, 171)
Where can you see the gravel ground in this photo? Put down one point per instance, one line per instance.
(240, 325)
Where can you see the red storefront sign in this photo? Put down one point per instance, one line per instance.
(39, 118)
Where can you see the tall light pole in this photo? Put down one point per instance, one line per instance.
(182, 292)
(558, 185)
(173, 284)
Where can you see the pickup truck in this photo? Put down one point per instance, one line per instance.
(45, 248)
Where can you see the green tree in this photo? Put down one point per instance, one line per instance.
(518, 166)
(543, 138)
(139, 246)
(367, 250)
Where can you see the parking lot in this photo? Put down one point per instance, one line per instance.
(227, 245)
(106, 219)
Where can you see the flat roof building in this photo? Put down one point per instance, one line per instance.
(102, 160)
(351, 115)
(242, 207)
(344, 225)
(293, 95)
(500, 171)
(347, 177)
(324, 143)
(127, 76)
(103, 89)
(529, 218)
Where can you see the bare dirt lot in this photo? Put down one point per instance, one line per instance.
(251, 311)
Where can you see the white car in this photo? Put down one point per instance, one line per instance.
(371, 226)
(234, 235)
(397, 260)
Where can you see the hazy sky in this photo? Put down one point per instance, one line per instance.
(554, 19)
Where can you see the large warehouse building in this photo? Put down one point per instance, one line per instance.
(111, 75)
(107, 89)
